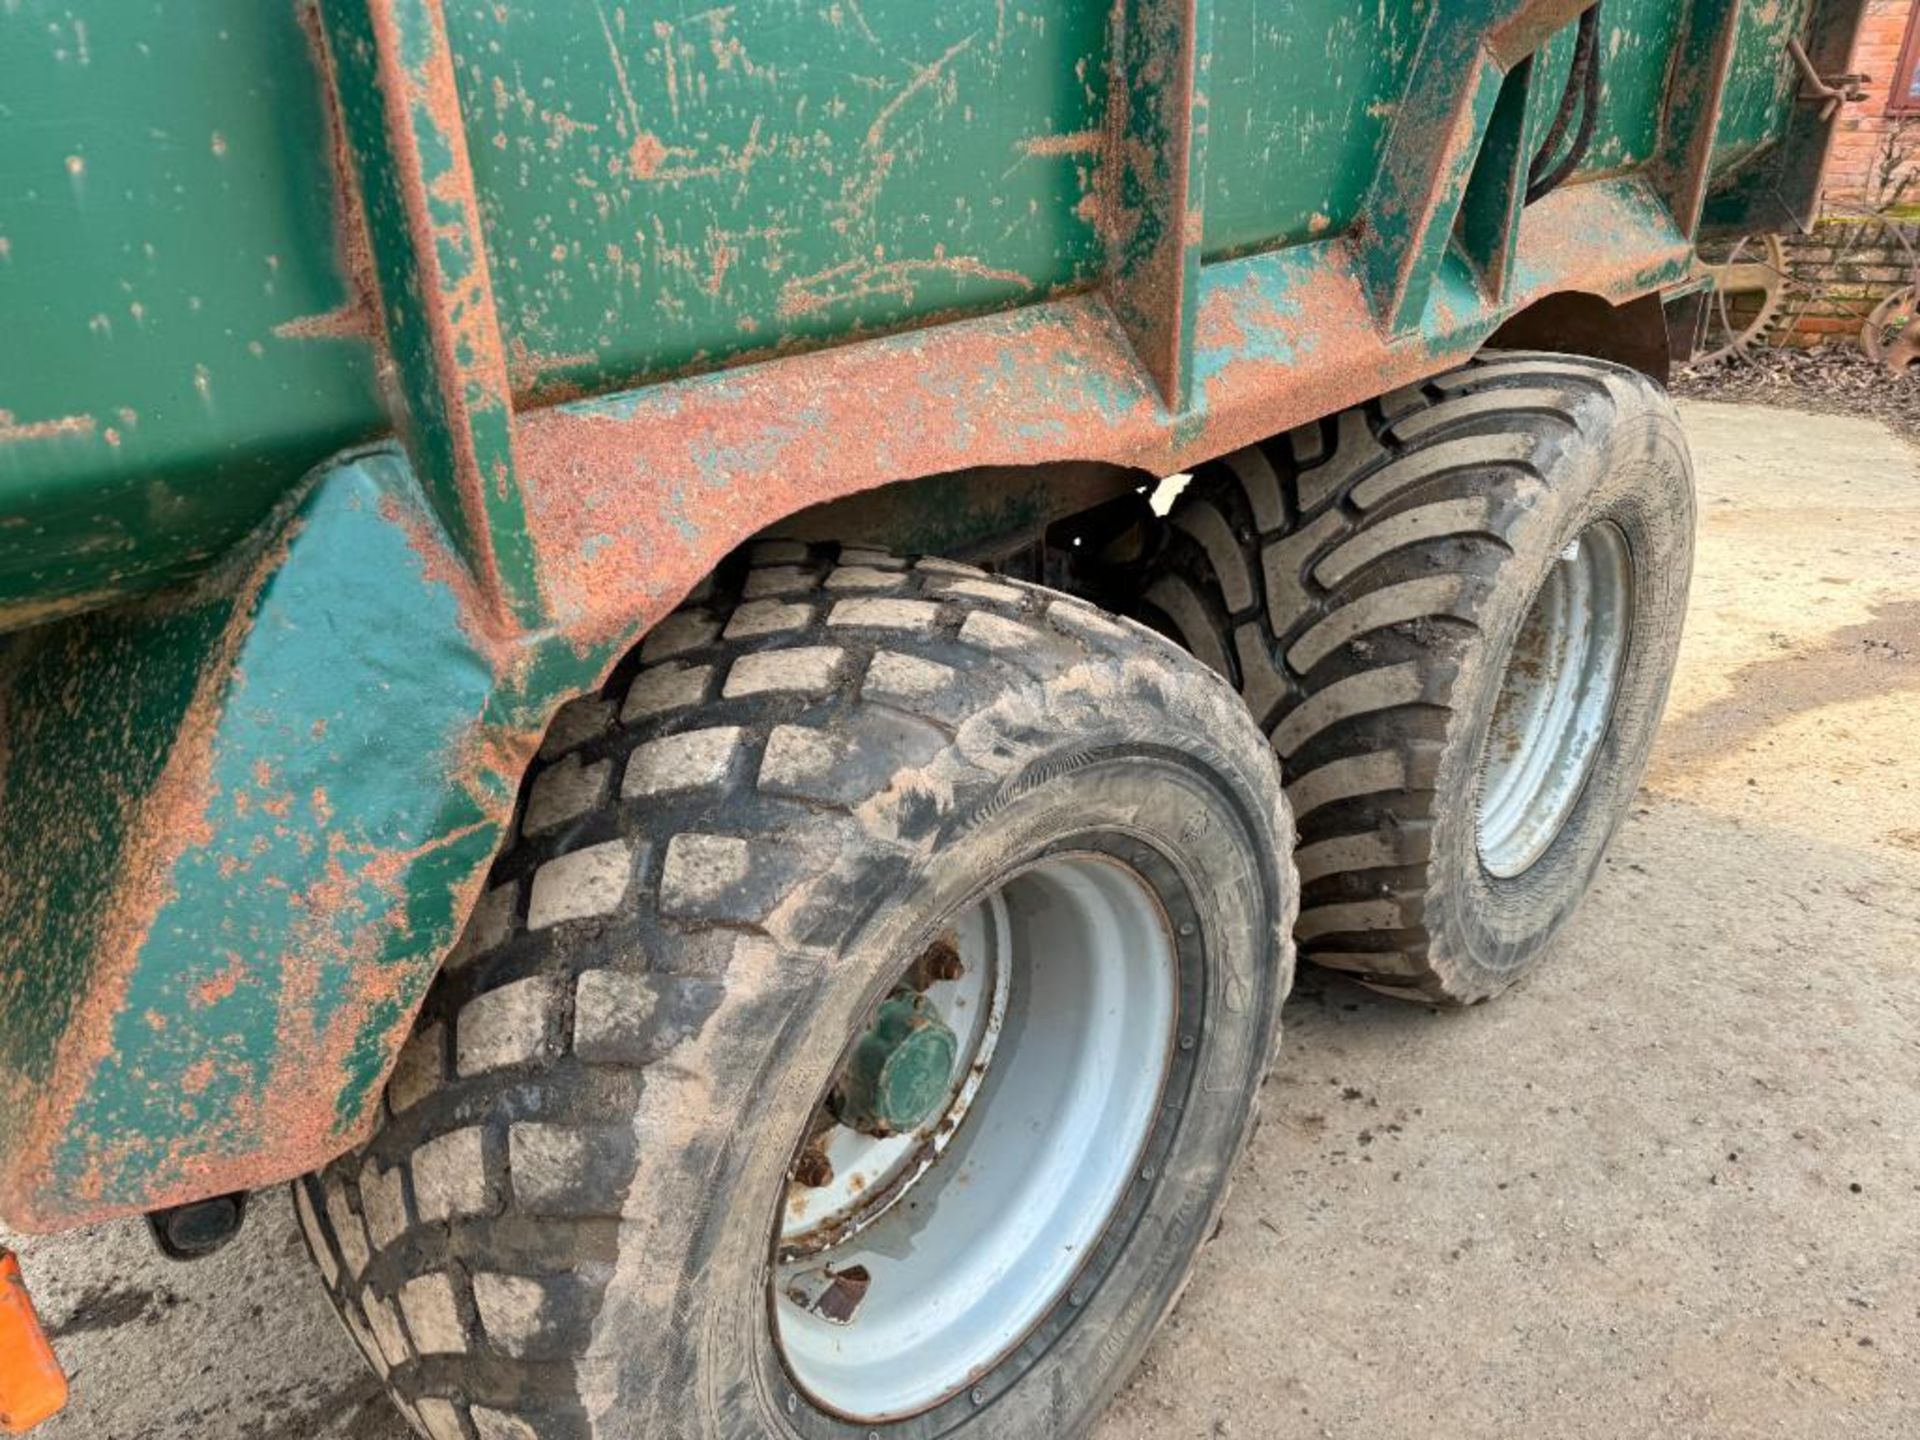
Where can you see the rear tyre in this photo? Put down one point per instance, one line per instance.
(1456, 610)
(857, 1038)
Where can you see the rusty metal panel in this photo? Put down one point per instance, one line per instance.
(1494, 204)
(1153, 180)
(393, 66)
(1774, 138)
(1636, 40)
(846, 247)
(1758, 104)
(647, 192)
(1682, 166)
(245, 822)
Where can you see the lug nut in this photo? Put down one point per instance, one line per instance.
(939, 962)
(813, 1170)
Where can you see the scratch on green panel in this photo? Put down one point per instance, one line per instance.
(1290, 159)
(667, 190)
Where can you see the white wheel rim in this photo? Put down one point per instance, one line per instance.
(1556, 700)
(959, 1268)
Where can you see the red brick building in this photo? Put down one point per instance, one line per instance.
(1872, 186)
(1886, 126)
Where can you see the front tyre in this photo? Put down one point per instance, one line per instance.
(857, 1039)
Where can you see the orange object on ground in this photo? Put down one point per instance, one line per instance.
(33, 1387)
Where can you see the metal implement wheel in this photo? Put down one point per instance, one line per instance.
(1456, 611)
(1890, 334)
(856, 1038)
(1750, 293)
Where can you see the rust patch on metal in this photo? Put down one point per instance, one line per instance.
(462, 324)
(25, 614)
(15, 432)
(631, 500)
(172, 818)
(352, 321)
(1530, 26)
(859, 278)
(291, 1105)
(842, 1298)
(1077, 142)
(351, 243)
(645, 155)
(628, 506)
(212, 992)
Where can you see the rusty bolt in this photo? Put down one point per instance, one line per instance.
(813, 1170)
(939, 961)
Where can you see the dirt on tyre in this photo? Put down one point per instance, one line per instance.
(1456, 611)
(857, 1037)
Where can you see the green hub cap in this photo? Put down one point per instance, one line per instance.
(900, 1071)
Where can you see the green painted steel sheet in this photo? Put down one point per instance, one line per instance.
(669, 187)
(1636, 48)
(169, 268)
(1302, 93)
(243, 770)
(1759, 97)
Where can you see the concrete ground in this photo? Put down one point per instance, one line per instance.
(1668, 1187)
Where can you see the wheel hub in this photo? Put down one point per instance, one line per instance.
(905, 1086)
(900, 1070)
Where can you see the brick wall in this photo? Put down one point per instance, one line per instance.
(1840, 273)
(1851, 261)
(1854, 165)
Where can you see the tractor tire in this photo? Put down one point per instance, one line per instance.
(1456, 611)
(620, 1188)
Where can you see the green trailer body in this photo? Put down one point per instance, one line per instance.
(373, 374)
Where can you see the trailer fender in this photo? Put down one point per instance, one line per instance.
(244, 823)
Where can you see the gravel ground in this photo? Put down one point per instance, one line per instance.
(1667, 1187)
(1829, 379)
